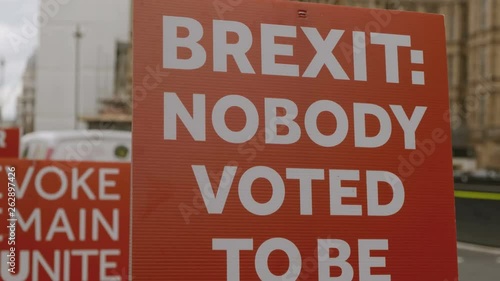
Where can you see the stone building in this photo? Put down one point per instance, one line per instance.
(482, 103)
(77, 59)
(116, 112)
(26, 101)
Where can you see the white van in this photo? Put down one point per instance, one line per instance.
(79, 145)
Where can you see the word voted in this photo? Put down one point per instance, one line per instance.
(195, 123)
(215, 202)
(270, 50)
(366, 261)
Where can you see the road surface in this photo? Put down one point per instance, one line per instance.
(478, 263)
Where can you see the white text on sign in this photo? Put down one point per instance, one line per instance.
(302, 126)
(78, 230)
(195, 123)
(270, 50)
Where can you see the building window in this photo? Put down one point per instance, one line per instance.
(482, 111)
(411, 6)
(389, 5)
(450, 24)
(483, 17)
(432, 8)
(482, 61)
(450, 69)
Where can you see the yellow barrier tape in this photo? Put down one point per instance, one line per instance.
(477, 195)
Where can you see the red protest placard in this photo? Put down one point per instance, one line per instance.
(64, 220)
(290, 141)
(10, 142)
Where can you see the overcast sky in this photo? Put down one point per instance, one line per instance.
(18, 39)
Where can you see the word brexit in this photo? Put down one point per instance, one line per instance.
(270, 50)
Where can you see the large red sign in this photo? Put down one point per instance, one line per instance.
(278, 140)
(9, 142)
(64, 221)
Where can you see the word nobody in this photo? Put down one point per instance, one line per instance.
(195, 122)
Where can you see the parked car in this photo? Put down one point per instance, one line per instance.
(483, 176)
(78, 145)
(464, 159)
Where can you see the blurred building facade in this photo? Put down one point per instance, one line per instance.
(473, 48)
(76, 65)
(482, 103)
(116, 112)
(26, 101)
